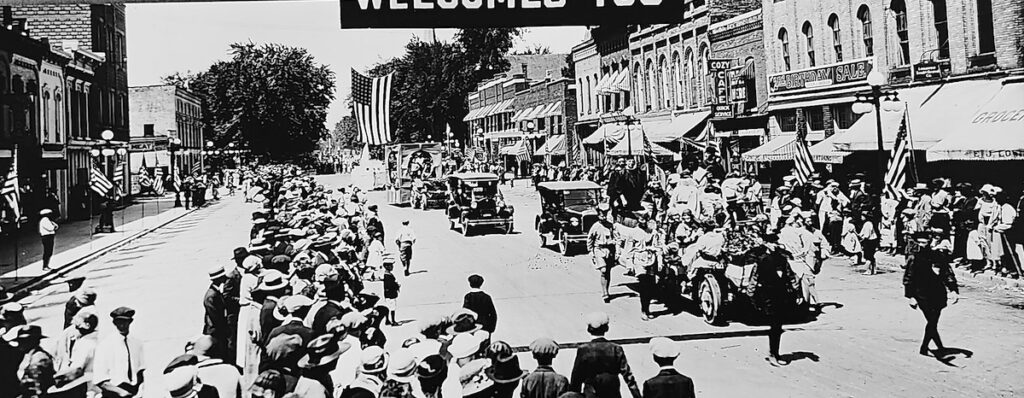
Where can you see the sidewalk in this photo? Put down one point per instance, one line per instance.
(895, 263)
(75, 243)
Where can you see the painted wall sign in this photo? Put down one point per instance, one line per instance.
(844, 72)
(358, 14)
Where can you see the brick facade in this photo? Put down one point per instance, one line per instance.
(172, 112)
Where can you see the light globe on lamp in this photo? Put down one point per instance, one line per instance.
(122, 151)
(94, 152)
(876, 78)
(861, 107)
(107, 151)
(107, 135)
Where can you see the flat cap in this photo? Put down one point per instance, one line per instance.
(544, 346)
(663, 347)
(123, 313)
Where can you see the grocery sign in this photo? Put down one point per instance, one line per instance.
(356, 14)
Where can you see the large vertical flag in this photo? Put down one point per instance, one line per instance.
(372, 107)
(99, 182)
(802, 161)
(523, 151)
(11, 191)
(119, 175)
(896, 172)
(158, 180)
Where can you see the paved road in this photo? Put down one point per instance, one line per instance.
(866, 348)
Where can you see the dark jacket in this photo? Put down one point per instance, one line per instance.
(597, 368)
(923, 284)
(215, 321)
(669, 384)
(544, 382)
(481, 303)
(324, 315)
(293, 327)
(267, 320)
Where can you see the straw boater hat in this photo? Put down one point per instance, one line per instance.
(464, 322)
(465, 345)
(403, 366)
(374, 360)
(323, 351)
(271, 280)
(181, 382)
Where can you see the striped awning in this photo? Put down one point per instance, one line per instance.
(826, 152)
(780, 148)
(524, 114)
(535, 112)
(553, 146)
(621, 83)
(500, 107)
(604, 82)
(609, 87)
(554, 110)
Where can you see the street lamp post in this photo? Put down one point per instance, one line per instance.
(530, 126)
(173, 146)
(876, 101)
(106, 149)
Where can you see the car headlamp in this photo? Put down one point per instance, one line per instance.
(574, 221)
(473, 205)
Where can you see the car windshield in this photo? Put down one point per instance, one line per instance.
(480, 188)
(580, 197)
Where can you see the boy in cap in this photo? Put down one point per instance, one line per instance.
(119, 366)
(481, 303)
(599, 363)
(544, 382)
(215, 318)
(668, 383)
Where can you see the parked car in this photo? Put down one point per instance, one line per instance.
(474, 200)
(568, 210)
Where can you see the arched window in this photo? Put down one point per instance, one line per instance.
(784, 44)
(650, 87)
(809, 38)
(837, 40)
(691, 78)
(867, 36)
(702, 76)
(17, 85)
(941, 28)
(899, 13)
(580, 95)
(593, 94)
(677, 79)
(665, 84)
(986, 33)
(638, 87)
(586, 95)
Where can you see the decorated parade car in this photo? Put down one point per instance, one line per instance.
(567, 213)
(474, 200)
(432, 195)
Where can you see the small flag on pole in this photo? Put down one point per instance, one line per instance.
(99, 182)
(802, 158)
(119, 175)
(371, 103)
(10, 190)
(523, 151)
(158, 181)
(896, 173)
(196, 168)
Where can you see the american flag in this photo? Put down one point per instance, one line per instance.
(99, 182)
(802, 158)
(119, 175)
(523, 151)
(158, 181)
(196, 168)
(10, 190)
(896, 173)
(372, 107)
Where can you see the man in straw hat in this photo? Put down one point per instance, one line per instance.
(36, 367)
(269, 290)
(183, 382)
(668, 383)
(401, 375)
(599, 363)
(47, 232)
(215, 319)
(321, 360)
(370, 379)
(295, 308)
(223, 376)
(544, 382)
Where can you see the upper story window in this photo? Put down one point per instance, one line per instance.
(899, 11)
(941, 28)
(809, 37)
(784, 43)
(986, 33)
(864, 15)
(837, 42)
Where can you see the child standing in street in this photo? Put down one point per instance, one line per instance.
(391, 288)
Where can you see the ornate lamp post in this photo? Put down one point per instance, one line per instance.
(876, 101)
(106, 149)
(173, 146)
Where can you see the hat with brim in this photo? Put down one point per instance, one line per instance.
(240, 252)
(474, 379)
(270, 281)
(505, 372)
(374, 360)
(45, 212)
(464, 323)
(23, 332)
(465, 345)
(403, 367)
(323, 351)
(432, 367)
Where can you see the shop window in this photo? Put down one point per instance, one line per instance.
(941, 27)
(899, 10)
(147, 130)
(864, 15)
(540, 124)
(843, 115)
(837, 42)
(809, 37)
(787, 120)
(784, 43)
(815, 118)
(986, 33)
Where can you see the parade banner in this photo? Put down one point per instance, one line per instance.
(358, 14)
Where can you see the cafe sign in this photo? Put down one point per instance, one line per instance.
(824, 76)
(719, 68)
(361, 14)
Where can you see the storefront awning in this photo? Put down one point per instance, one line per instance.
(610, 133)
(471, 115)
(684, 125)
(826, 152)
(522, 115)
(554, 110)
(930, 111)
(622, 82)
(603, 82)
(996, 132)
(500, 107)
(609, 87)
(515, 149)
(780, 148)
(555, 145)
(638, 145)
(151, 159)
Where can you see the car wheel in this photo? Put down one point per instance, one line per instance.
(563, 246)
(465, 227)
(508, 228)
(543, 240)
(710, 295)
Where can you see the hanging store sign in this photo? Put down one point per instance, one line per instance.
(930, 70)
(359, 14)
(719, 68)
(824, 76)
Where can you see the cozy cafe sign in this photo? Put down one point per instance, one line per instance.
(505, 13)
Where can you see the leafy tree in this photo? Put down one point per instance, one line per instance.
(270, 98)
(569, 70)
(346, 133)
(536, 49)
(485, 48)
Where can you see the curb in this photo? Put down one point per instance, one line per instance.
(21, 291)
(961, 274)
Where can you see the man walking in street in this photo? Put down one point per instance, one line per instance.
(599, 363)
(668, 383)
(406, 238)
(601, 245)
(119, 365)
(481, 303)
(215, 320)
(47, 231)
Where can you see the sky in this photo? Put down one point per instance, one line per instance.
(164, 38)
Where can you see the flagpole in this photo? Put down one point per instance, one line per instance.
(910, 142)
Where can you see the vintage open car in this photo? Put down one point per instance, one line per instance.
(567, 211)
(474, 200)
(433, 195)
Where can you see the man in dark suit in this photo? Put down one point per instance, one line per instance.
(331, 309)
(599, 364)
(480, 303)
(668, 383)
(215, 319)
(296, 307)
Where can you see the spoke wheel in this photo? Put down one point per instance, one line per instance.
(710, 295)
(563, 246)
(465, 227)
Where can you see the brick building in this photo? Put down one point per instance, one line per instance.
(160, 113)
(941, 58)
(602, 78)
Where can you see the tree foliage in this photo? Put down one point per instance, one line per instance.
(536, 49)
(270, 98)
(346, 133)
(485, 48)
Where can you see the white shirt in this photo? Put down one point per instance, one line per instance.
(348, 365)
(47, 226)
(405, 234)
(113, 357)
(375, 255)
(222, 376)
